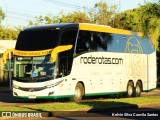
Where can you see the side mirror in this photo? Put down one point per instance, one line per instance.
(57, 50)
(5, 54)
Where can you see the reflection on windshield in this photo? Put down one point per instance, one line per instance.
(33, 68)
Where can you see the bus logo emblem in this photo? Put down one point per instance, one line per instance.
(31, 90)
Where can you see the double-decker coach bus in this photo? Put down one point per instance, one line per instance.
(79, 59)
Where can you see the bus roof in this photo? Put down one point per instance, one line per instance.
(87, 27)
(107, 29)
(52, 26)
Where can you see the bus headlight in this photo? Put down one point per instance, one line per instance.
(54, 84)
(15, 86)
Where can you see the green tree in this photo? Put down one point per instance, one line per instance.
(2, 15)
(103, 13)
(150, 15)
(8, 34)
(129, 20)
(48, 19)
(144, 19)
(100, 14)
(75, 17)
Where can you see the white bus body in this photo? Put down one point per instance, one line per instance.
(126, 64)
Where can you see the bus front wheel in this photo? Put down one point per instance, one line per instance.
(78, 93)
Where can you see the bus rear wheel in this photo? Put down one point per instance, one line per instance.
(78, 93)
(138, 89)
(130, 90)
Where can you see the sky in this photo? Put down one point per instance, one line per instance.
(20, 12)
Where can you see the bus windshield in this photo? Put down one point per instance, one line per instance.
(33, 68)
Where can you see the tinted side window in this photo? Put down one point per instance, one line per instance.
(92, 41)
(82, 42)
(101, 40)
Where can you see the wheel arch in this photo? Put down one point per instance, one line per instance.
(131, 82)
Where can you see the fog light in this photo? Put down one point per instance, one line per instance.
(15, 94)
(51, 93)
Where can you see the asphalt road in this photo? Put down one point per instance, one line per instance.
(145, 112)
(148, 113)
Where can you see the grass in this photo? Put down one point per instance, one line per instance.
(72, 106)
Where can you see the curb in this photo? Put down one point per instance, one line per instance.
(86, 112)
(148, 105)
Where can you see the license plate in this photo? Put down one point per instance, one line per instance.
(32, 97)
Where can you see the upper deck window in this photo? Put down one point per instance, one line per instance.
(33, 40)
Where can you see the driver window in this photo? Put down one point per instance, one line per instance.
(66, 57)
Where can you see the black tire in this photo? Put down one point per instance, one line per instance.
(78, 93)
(130, 90)
(138, 89)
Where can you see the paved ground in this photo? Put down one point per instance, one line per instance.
(6, 99)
